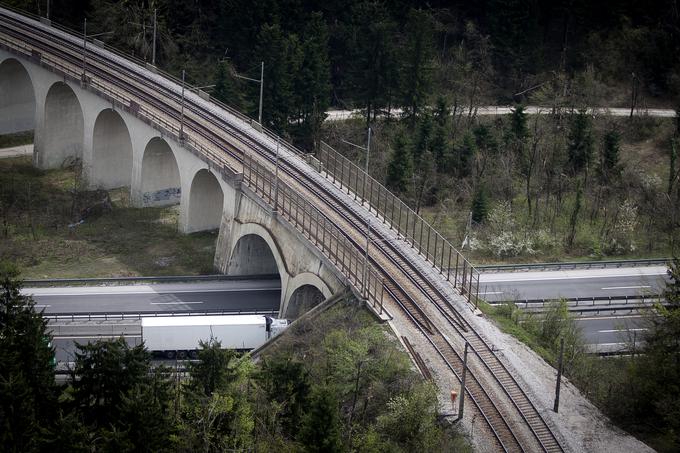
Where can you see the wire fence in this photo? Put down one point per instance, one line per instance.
(410, 226)
(316, 227)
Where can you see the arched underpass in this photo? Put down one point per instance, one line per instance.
(17, 98)
(160, 175)
(111, 151)
(302, 300)
(206, 201)
(63, 131)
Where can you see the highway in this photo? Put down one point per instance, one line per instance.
(572, 283)
(217, 295)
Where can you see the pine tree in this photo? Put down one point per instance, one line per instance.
(609, 167)
(27, 391)
(465, 154)
(227, 88)
(312, 84)
(442, 112)
(480, 205)
(580, 149)
(416, 62)
(400, 167)
(320, 431)
(518, 125)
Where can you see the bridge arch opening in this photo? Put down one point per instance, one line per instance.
(206, 201)
(17, 98)
(63, 132)
(111, 151)
(160, 175)
(303, 299)
(252, 256)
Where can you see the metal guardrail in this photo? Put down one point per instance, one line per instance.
(389, 208)
(318, 228)
(572, 265)
(575, 302)
(113, 316)
(162, 279)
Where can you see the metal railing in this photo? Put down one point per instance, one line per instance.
(573, 265)
(410, 226)
(160, 279)
(114, 316)
(316, 227)
(603, 302)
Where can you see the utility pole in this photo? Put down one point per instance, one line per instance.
(84, 45)
(259, 115)
(559, 377)
(153, 53)
(47, 16)
(181, 118)
(261, 82)
(461, 404)
(276, 176)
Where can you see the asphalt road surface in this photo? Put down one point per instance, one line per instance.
(176, 297)
(573, 283)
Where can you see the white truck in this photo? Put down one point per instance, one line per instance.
(179, 336)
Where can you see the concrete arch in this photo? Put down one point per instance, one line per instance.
(111, 151)
(206, 202)
(160, 185)
(303, 292)
(63, 131)
(17, 98)
(252, 255)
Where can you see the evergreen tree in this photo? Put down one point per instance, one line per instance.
(423, 138)
(442, 112)
(465, 154)
(227, 87)
(416, 62)
(439, 147)
(320, 431)
(275, 50)
(518, 125)
(313, 80)
(609, 167)
(580, 148)
(27, 396)
(480, 205)
(372, 39)
(400, 167)
(214, 370)
(107, 371)
(287, 382)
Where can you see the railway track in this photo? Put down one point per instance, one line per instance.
(137, 84)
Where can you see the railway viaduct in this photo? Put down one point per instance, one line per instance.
(319, 221)
(117, 149)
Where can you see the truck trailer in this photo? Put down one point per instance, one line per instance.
(180, 336)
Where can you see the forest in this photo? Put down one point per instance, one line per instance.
(339, 383)
(570, 183)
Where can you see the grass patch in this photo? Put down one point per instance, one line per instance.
(37, 207)
(17, 139)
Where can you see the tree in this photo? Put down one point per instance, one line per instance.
(287, 382)
(480, 205)
(400, 167)
(275, 50)
(465, 155)
(227, 88)
(518, 130)
(578, 203)
(106, 372)
(609, 168)
(320, 430)
(312, 85)
(416, 62)
(27, 391)
(580, 147)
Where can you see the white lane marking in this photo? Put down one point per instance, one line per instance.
(492, 292)
(621, 330)
(175, 303)
(627, 287)
(41, 306)
(597, 318)
(573, 274)
(125, 293)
